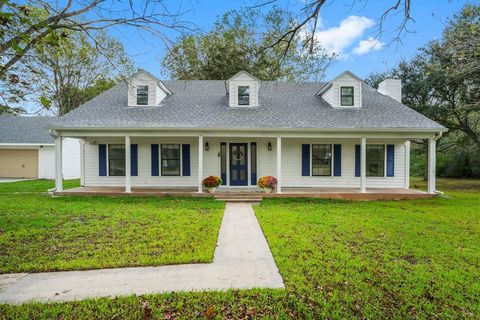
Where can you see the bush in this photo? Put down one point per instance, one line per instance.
(267, 182)
(212, 182)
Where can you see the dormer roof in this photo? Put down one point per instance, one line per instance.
(148, 74)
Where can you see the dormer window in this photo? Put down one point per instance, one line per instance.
(346, 96)
(142, 95)
(243, 95)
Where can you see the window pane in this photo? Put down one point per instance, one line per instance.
(375, 160)
(253, 154)
(142, 95)
(347, 91)
(321, 159)
(170, 155)
(243, 95)
(346, 96)
(347, 101)
(116, 159)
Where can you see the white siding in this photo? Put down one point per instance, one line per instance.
(144, 177)
(266, 162)
(71, 160)
(46, 162)
(332, 95)
(243, 79)
(155, 93)
(292, 165)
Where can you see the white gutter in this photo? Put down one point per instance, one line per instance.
(433, 130)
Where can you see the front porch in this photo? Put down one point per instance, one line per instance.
(324, 165)
(324, 193)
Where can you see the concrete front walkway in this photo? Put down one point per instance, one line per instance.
(242, 260)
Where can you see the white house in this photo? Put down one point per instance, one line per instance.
(28, 151)
(150, 133)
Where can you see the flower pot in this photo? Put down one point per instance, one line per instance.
(267, 190)
(212, 189)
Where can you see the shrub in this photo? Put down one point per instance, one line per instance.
(211, 182)
(267, 182)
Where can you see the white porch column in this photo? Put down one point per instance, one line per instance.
(82, 162)
(279, 164)
(363, 165)
(128, 163)
(407, 163)
(432, 144)
(58, 164)
(200, 163)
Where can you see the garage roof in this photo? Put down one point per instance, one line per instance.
(22, 129)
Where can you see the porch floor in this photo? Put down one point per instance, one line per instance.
(327, 193)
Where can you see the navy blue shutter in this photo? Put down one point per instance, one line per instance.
(305, 160)
(223, 165)
(390, 160)
(102, 159)
(337, 160)
(155, 164)
(357, 160)
(134, 160)
(186, 159)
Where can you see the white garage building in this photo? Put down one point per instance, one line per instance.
(28, 151)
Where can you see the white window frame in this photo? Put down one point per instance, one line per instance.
(160, 159)
(384, 161)
(331, 162)
(148, 94)
(353, 96)
(249, 96)
(108, 159)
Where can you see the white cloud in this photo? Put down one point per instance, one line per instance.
(366, 46)
(338, 38)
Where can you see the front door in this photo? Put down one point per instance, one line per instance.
(238, 164)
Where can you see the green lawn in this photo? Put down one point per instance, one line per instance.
(391, 259)
(41, 233)
(35, 186)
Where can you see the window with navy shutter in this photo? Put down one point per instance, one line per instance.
(305, 160)
(357, 160)
(102, 159)
(186, 160)
(154, 157)
(134, 159)
(390, 160)
(337, 160)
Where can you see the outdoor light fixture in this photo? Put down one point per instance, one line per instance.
(269, 146)
(206, 146)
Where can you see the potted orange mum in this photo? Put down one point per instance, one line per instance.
(211, 183)
(267, 183)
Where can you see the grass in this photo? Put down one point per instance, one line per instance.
(393, 259)
(41, 233)
(35, 186)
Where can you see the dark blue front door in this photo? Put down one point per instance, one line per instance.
(238, 164)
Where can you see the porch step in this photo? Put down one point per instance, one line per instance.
(238, 197)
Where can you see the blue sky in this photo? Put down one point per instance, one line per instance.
(345, 29)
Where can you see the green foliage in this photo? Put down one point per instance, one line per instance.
(240, 40)
(443, 82)
(77, 69)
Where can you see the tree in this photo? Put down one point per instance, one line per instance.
(43, 23)
(443, 82)
(67, 75)
(235, 44)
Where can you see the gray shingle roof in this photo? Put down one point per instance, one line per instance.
(204, 104)
(19, 129)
